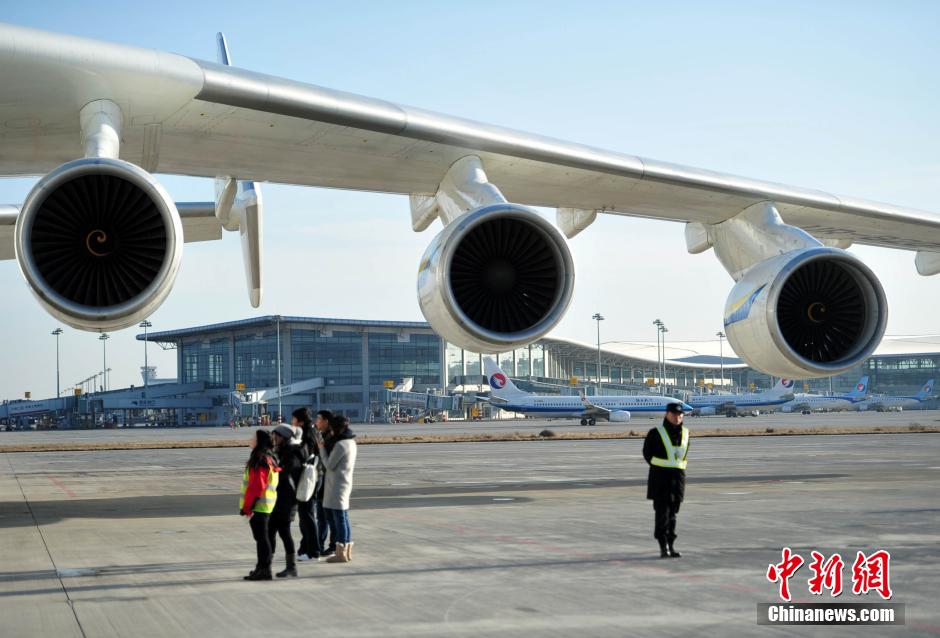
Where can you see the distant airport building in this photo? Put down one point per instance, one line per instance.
(232, 369)
(357, 360)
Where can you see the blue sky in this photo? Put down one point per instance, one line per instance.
(841, 96)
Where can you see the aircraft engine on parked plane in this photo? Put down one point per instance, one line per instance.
(806, 313)
(99, 241)
(619, 416)
(496, 278)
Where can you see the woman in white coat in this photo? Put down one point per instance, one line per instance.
(338, 453)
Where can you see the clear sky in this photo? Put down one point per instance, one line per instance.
(841, 96)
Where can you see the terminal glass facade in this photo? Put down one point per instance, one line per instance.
(394, 357)
(335, 355)
(256, 359)
(455, 366)
(901, 374)
(206, 360)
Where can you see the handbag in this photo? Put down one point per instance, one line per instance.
(308, 479)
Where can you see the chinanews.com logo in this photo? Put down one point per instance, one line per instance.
(498, 381)
(870, 575)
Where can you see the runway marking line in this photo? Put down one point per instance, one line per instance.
(62, 486)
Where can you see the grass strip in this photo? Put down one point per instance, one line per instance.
(544, 435)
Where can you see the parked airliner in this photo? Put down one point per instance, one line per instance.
(616, 409)
(884, 403)
(748, 403)
(807, 403)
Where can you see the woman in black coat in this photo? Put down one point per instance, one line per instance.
(290, 454)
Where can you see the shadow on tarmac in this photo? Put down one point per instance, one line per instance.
(17, 513)
(80, 584)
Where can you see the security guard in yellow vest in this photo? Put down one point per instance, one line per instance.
(665, 449)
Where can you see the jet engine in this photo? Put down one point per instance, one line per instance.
(806, 313)
(707, 411)
(619, 416)
(99, 241)
(496, 278)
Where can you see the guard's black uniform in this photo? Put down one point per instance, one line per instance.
(665, 486)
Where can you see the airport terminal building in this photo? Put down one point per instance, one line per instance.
(234, 369)
(347, 364)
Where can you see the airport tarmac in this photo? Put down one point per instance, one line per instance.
(547, 538)
(833, 420)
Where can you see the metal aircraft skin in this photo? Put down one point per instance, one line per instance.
(99, 240)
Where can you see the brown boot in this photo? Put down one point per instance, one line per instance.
(340, 554)
(349, 551)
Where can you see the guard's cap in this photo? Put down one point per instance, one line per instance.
(678, 408)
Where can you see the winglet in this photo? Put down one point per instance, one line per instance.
(221, 54)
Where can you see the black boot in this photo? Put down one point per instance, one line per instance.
(251, 573)
(672, 550)
(290, 569)
(262, 573)
(663, 551)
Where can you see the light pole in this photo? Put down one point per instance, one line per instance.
(280, 410)
(598, 318)
(103, 337)
(56, 334)
(146, 324)
(721, 353)
(664, 330)
(659, 324)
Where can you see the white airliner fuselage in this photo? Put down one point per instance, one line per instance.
(571, 407)
(710, 404)
(884, 403)
(506, 396)
(822, 403)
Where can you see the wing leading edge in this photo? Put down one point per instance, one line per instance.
(198, 118)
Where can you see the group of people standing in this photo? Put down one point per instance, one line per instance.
(282, 458)
(279, 461)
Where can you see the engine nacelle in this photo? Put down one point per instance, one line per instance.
(496, 278)
(706, 411)
(99, 241)
(619, 416)
(807, 313)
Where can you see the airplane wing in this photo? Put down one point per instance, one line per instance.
(591, 410)
(191, 117)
